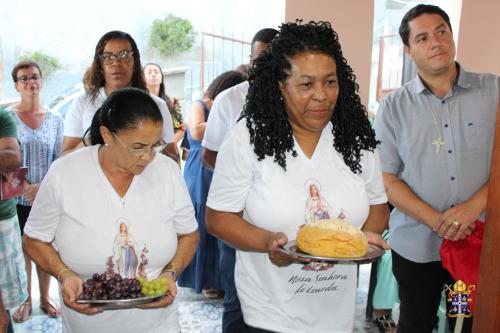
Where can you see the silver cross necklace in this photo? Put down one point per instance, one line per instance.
(439, 141)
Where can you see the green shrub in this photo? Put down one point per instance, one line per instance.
(47, 63)
(172, 35)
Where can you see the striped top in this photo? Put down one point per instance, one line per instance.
(39, 147)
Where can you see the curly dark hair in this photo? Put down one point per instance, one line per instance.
(94, 78)
(265, 113)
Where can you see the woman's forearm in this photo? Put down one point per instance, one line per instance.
(44, 255)
(237, 232)
(198, 131)
(377, 218)
(186, 247)
(10, 154)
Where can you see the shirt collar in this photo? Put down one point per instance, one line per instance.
(463, 80)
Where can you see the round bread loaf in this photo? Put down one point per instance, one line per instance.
(333, 239)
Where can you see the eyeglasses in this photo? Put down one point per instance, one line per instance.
(157, 148)
(34, 78)
(109, 58)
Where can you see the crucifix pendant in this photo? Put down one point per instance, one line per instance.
(439, 143)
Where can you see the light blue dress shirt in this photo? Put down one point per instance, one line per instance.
(408, 123)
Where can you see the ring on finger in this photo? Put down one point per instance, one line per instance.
(455, 223)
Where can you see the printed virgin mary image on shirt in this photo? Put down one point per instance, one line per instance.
(317, 208)
(124, 251)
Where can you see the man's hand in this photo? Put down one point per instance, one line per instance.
(457, 222)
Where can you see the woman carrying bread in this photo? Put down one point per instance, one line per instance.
(303, 119)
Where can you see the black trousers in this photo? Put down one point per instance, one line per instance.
(420, 288)
(22, 215)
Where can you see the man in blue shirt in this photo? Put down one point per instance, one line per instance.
(436, 136)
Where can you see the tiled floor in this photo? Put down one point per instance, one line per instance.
(197, 315)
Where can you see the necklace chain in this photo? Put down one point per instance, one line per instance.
(439, 141)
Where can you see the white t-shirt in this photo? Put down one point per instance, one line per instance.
(296, 298)
(82, 110)
(79, 210)
(224, 113)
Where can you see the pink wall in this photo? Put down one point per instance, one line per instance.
(353, 21)
(478, 39)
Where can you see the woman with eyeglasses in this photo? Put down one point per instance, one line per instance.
(40, 135)
(116, 64)
(77, 222)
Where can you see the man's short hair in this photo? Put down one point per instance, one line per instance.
(404, 28)
(265, 35)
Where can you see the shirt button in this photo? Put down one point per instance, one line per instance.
(449, 151)
(445, 125)
(442, 102)
(452, 178)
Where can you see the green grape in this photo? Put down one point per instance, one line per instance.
(141, 280)
(155, 287)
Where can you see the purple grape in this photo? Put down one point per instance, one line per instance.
(102, 287)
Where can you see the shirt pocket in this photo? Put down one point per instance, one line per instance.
(478, 134)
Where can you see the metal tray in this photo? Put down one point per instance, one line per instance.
(374, 252)
(114, 304)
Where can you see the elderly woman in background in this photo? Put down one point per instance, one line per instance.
(303, 123)
(203, 273)
(153, 75)
(40, 135)
(124, 181)
(116, 64)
